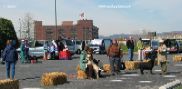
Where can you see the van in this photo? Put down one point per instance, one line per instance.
(154, 44)
(100, 45)
(179, 42)
(172, 45)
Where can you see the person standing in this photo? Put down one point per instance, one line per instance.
(140, 49)
(22, 51)
(114, 54)
(162, 56)
(10, 56)
(46, 50)
(130, 46)
(27, 51)
(52, 51)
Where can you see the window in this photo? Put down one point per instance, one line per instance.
(39, 43)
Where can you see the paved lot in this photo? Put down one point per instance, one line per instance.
(29, 75)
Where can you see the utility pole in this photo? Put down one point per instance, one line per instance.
(56, 21)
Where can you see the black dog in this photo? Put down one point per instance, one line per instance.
(149, 66)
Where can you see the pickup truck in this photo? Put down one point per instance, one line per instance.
(36, 49)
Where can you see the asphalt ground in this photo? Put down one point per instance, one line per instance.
(30, 75)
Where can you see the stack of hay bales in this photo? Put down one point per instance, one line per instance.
(177, 58)
(107, 68)
(53, 78)
(131, 65)
(9, 84)
(80, 73)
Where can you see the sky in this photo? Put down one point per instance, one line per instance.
(111, 16)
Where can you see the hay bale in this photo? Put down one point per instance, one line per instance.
(177, 58)
(53, 78)
(107, 68)
(81, 74)
(9, 84)
(132, 65)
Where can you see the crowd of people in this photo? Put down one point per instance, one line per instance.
(114, 53)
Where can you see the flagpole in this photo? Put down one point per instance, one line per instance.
(56, 20)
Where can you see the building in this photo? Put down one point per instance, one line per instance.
(82, 30)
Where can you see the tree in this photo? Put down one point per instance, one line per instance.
(28, 26)
(7, 32)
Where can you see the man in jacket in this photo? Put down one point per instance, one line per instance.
(10, 56)
(130, 46)
(162, 56)
(114, 54)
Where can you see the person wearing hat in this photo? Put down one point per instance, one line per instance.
(162, 56)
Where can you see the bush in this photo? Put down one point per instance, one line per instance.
(7, 32)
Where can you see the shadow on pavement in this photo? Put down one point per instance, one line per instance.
(30, 78)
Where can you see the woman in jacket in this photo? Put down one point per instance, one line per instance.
(83, 62)
(10, 56)
(22, 51)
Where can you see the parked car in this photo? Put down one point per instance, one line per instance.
(179, 42)
(172, 45)
(36, 48)
(77, 45)
(154, 44)
(100, 45)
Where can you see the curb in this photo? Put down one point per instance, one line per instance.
(171, 85)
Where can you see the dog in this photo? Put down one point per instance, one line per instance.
(93, 62)
(150, 64)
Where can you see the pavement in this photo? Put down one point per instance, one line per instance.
(30, 75)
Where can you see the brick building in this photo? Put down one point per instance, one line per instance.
(82, 30)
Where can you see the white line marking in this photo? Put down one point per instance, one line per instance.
(125, 78)
(169, 76)
(144, 81)
(157, 70)
(130, 75)
(116, 80)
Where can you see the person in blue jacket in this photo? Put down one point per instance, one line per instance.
(10, 56)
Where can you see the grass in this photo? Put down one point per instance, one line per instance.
(179, 87)
(125, 49)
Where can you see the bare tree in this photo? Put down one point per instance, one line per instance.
(28, 26)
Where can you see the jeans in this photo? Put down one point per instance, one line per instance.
(114, 61)
(130, 54)
(53, 55)
(12, 65)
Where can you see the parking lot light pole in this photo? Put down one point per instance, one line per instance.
(56, 20)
